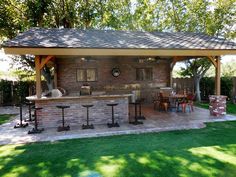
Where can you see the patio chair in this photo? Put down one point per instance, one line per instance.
(164, 102)
(156, 101)
(181, 102)
(186, 102)
(190, 99)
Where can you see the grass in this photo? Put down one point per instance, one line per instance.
(230, 109)
(210, 151)
(4, 118)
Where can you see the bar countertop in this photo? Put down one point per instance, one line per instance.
(97, 97)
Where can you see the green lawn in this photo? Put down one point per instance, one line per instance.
(230, 109)
(206, 152)
(4, 118)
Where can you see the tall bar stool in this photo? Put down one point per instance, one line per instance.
(21, 124)
(30, 104)
(63, 127)
(140, 101)
(112, 124)
(36, 129)
(87, 126)
(135, 122)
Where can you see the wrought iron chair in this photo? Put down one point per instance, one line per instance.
(164, 102)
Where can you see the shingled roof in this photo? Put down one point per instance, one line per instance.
(108, 39)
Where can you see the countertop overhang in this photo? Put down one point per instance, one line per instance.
(96, 97)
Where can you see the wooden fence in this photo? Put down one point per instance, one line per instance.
(187, 84)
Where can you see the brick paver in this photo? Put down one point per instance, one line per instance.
(156, 121)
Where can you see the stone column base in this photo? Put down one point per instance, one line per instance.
(217, 105)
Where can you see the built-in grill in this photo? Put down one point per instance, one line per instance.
(85, 90)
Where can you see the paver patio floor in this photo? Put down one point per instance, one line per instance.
(155, 122)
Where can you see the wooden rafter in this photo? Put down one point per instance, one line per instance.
(213, 60)
(177, 59)
(45, 61)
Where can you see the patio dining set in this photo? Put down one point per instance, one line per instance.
(180, 102)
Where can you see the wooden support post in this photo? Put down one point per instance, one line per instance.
(217, 79)
(172, 64)
(171, 79)
(38, 76)
(55, 74)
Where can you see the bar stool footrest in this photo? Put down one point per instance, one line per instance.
(18, 125)
(29, 120)
(110, 125)
(136, 123)
(60, 128)
(141, 118)
(35, 131)
(87, 126)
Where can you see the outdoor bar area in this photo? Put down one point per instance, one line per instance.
(99, 76)
(99, 82)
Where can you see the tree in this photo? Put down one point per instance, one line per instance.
(210, 17)
(196, 68)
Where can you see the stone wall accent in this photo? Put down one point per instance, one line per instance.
(124, 83)
(100, 113)
(217, 105)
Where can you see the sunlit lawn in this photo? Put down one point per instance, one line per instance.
(230, 108)
(4, 118)
(206, 152)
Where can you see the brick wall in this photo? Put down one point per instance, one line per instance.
(100, 113)
(125, 82)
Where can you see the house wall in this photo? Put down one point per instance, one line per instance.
(124, 83)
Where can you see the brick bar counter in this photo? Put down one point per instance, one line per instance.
(217, 105)
(100, 113)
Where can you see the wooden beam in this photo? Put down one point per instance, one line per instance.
(217, 79)
(119, 52)
(213, 60)
(45, 61)
(38, 76)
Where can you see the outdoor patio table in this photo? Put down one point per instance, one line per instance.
(135, 122)
(175, 98)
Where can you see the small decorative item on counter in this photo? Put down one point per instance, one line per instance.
(85, 89)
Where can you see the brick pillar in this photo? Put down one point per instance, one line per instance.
(217, 105)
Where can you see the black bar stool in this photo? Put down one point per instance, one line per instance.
(113, 124)
(30, 104)
(21, 124)
(36, 129)
(136, 122)
(63, 127)
(140, 101)
(87, 126)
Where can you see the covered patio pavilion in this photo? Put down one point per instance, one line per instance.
(68, 49)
